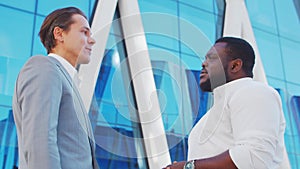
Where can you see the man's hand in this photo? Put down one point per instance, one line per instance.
(176, 165)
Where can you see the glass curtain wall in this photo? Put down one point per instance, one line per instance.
(113, 110)
(20, 22)
(178, 34)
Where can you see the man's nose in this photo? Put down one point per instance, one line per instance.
(204, 64)
(92, 40)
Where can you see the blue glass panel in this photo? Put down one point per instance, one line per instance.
(3, 74)
(38, 48)
(293, 119)
(9, 69)
(162, 41)
(269, 50)
(169, 61)
(161, 25)
(158, 6)
(202, 5)
(116, 120)
(179, 151)
(291, 60)
(262, 14)
(200, 98)
(293, 160)
(44, 7)
(115, 114)
(276, 83)
(11, 66)
(28, 5)
(8, 141)
(4, 109)
(158, 53)
(166, 85)
(191, 62)
(112, 100)
(290, 107)
(91, 7)
(204, 21)
(288, 21)
(295, 115)
(294, 89)
(15, 33)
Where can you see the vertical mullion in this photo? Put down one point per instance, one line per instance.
(149, 113)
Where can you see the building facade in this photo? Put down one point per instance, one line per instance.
(141, 87)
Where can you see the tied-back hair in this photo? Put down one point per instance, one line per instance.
(238, 48)
(61, 18)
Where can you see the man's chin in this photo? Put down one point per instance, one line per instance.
(84, 61)
(205, 86)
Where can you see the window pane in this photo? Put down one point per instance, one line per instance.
(204, 21)
(291, 60)
(262, 15)
(15, 33)
(161, 25)
(204, 5)
(265, 42)
(277, 83)
(288, 21)
(15, 46)
(44, 7)
(38, 48)
(113, 111)
(28, 5)
(177, 46)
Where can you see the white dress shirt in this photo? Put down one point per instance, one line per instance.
(246, 119)
(70, 69)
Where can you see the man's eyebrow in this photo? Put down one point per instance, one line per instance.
(88, 29)
(212, 55)
(85, 27)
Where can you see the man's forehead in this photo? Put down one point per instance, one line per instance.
(220, 46)
(79, 19)
(217, 48)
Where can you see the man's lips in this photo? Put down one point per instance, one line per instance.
(89, 50)
(203, 73)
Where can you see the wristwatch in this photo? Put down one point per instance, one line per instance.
(189, 165)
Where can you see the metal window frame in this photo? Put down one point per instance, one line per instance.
(144, 86)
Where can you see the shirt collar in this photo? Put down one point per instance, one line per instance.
(70, 69)
(226, 89)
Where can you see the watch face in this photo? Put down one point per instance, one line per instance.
(189, 165)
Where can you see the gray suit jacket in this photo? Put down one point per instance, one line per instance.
(54, 131)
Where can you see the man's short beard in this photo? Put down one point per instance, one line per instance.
(218, 80)
(206, 86)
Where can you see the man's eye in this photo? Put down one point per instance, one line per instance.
(213, 56)
(85, 32)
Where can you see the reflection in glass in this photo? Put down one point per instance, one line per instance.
(113, 110)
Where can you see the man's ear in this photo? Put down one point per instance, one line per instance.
(236, 65)
(57, 33)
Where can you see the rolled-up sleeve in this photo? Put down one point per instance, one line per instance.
(258, 126)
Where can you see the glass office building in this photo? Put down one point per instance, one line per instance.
(141, 87)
